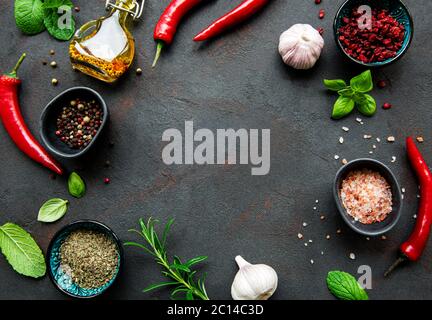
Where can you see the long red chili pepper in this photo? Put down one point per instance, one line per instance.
(167, 25)
(413, 248)
(239, 14)
(14, 124)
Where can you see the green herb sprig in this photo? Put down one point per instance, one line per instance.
(345, 287)
(180, 274)
(353, 95)
(35, 16)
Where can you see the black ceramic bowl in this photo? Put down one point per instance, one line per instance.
(54, 108)
(397, 9)
(61, 279)
(378, 228)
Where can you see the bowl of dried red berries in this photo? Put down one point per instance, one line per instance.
(373, 33)
(72, 121)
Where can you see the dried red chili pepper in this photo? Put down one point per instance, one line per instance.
(14, 123)
(412, 249)
(167, 25)
(239, 14)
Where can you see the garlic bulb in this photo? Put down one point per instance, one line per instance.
(300, 46)
(253, 282)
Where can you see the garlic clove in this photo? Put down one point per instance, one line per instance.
(253, 282)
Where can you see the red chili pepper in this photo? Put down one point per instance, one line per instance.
(413, 248)
(14, 124)
(167, 25)
(239, 14)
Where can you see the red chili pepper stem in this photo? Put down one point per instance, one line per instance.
(159, 48)
(13, 73)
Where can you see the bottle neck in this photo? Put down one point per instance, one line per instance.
(124, 4)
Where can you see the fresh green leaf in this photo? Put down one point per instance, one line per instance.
(159, 285)
(21, 251)
(58, 19)
(347, 92)
(179, 273)
(53, 210)
(196, 260)
(76, 185)
(345, 287)
(366, 104)
(342, 107)
(29, 16)
(363, 82)
(335, 85)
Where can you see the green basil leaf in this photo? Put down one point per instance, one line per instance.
(29, 16)
(366, 104)
(335, 85)
(348, 92)
(21, 251)
(60, 24)
(345, 287)
(52, 210)
(363, 82)
(76, 185)
(342, 107)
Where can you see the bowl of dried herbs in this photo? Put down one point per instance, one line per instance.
(84, 259)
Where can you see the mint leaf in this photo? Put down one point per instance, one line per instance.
(76, 185)
(345, 287)
(21, 251)
(58, 19)
(342, 107)
(335, 85)
(52, 210)
(366, 104)
(29, 16)
(363, 82)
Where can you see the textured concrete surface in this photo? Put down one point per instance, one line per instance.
(235, 81)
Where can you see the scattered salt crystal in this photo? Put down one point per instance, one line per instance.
(316, 201)
(418, 196)
(300, 236)
(322, 217)
(370, 152)
(346, 129)
(367, 136)
(341, 140)
(378, 139)
(328, 237)
(305, 224)
(367, 238)
(391, 139)
(306, 244)
(359, 120)
(336, 157)
(314, 208)
(312, 262)
(383, 238)
(322, 253)
(374, 146)
(403, 190)
(402, 197)
(415, 216)
(352, 256)
(310, 241)
(344, 161)
(393, 159)
(338, 231)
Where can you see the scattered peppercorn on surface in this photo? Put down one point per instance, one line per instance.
(286, 219)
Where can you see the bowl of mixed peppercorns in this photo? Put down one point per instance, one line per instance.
(373, 33)
(72, 121)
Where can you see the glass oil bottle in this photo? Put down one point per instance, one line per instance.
(105, 48)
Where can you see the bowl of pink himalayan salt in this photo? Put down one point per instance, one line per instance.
(368, 196)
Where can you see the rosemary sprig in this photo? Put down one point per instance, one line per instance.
(180, 274)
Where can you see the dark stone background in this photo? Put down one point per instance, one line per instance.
(235, 81)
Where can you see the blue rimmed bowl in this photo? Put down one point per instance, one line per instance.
(397, 9)
(61, 279)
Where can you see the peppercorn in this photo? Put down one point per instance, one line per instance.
(320, 30)
(52, 52)
(382, 84)
(53, 64)
(107, 180)
(78, 123)
(77, 9)
(139, 71)
(317, 1)
(321, 14)
(387, 106)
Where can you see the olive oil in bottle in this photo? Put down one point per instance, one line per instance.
(105, 48)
